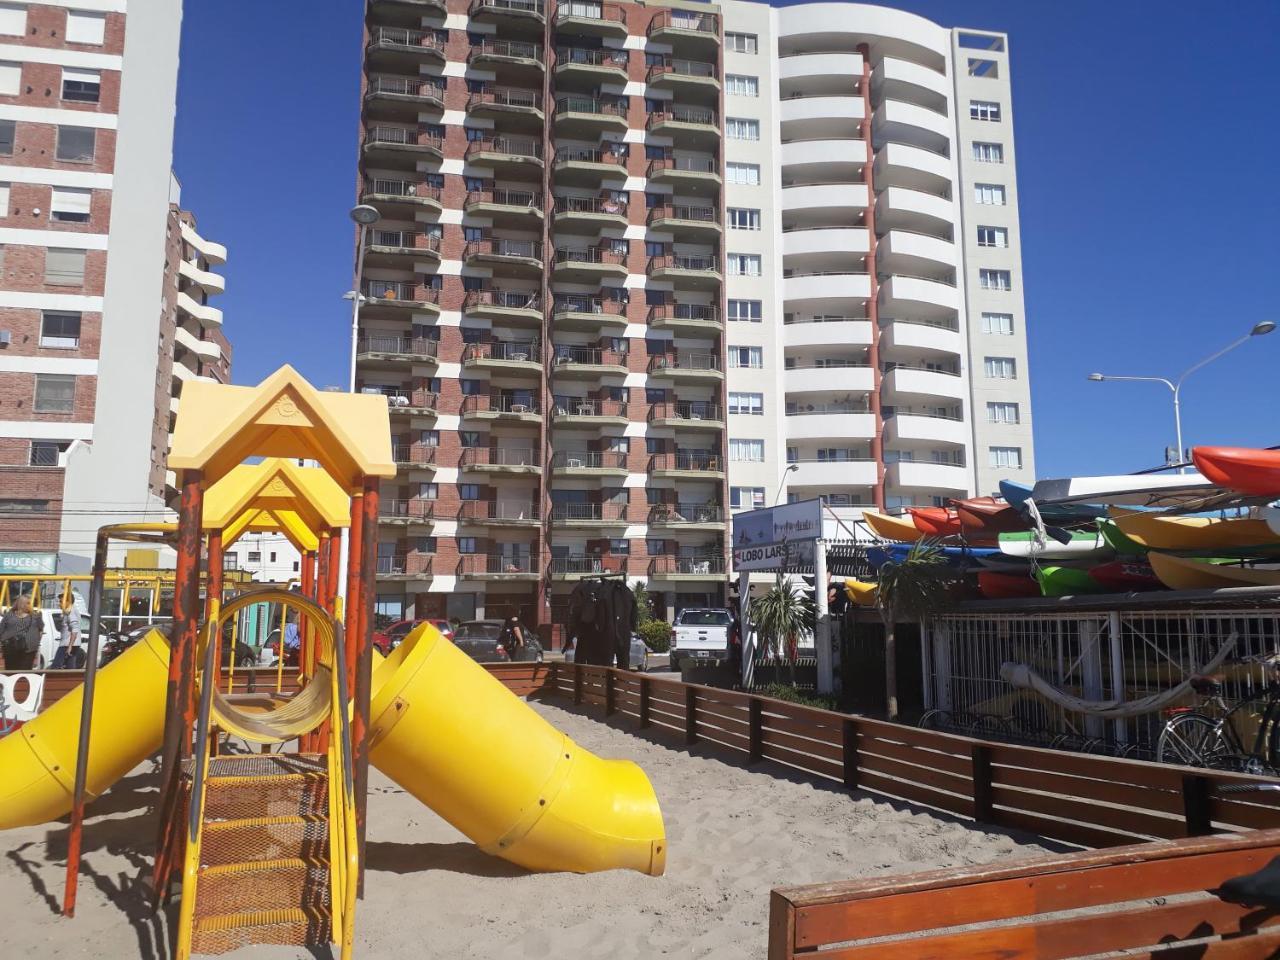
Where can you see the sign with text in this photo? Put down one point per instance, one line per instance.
(776, 538)
(28, 563)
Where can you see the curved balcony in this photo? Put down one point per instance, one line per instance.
(820, 65)
(588, 515)
(928, 476)
(825, 158)
(827, 376)
(912, 124)
(414, 456)
(589, 463)
(501, 102)
(205, 314)
(584, 166)
(686, 568)
(686, 27)
(410, 403)
(803, 332)
(404, 97)
(587, 116)
(586, 312)
(211, 283)
(522, 208)
(912, 428)
(848, 201)
(205, 349)
(917, 336)
(693, 272)
(687, 516)
(686, 125)
(572, 360)
(505, 153)
(802, 113)
(690, 171)
(901, 251)
(499, 513)
(584, 411)
(399, 199)
(511, 306)
(496, 406)
(591, 212)
(589, 264)
(214, 253)
(901, 208)
(686, 466)
(505, 459)
(830, 474)
(400, 147)
(405, 512)
(825, 286)
(688, 414)
(389, 246)
(512, 53)
(822, 241)
(516, 257)
(905, 384)
(913, 81)
(687, 367)
(417, 8)
(397, 350)
(795, 25)
(686, 220)
(592, 19)
(504, 356)
(579, 567)
(676, 74)
(387, 296)
(693, 318)
(904, 165)
(598, 66)
(498, 567)
(919, 296)
(829, 422)
(509, 13)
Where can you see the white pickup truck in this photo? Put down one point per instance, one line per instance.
(701, 634)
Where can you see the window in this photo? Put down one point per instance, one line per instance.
(13, 19)
(1000, 324)
(995, 280)
(737, 128)
(655, 548)
(749, 404)
(428, 491)
(76, 144)
(744, 173)
(993, 237)
(10, 78)
(741, 42)
(59, 330)
(45, 453)
(429, 438)
(752, 357)
(70, 205)
(981, 41)
(991, 194)
(473, 388)
(740, 85)
(1000, 368)
(979, 67)
(748, 311)
(988, 152)
(746, 451)
(295, 566)
(1010, 458)
(253, 556)
(1002, 413)
(80, 85)
(743, 264)
(64, 268)
(742, 218)
(55, 393)
(4, 211)
(466, 544)
(7, 128)
(272, 556)
(984, 110)
(468, 491)
(619, 547)
(426, 545)
(471, 438)
(746, 498)
(86, 27)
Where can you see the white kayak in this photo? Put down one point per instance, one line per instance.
(1141, 489)
(1084, 545)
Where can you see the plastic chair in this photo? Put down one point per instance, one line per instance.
(12, 711)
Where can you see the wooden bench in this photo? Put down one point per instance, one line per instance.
(1019, 909)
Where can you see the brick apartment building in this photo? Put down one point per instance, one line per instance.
(105, 282)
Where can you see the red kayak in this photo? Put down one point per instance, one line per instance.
(935, 521)
(1245, 469)
(985, 517)
(1007, 586)
(1125, 576)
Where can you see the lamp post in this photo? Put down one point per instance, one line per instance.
(1175, 386)
(782, 480)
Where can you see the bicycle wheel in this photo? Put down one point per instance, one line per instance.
(935, 720)
(1192, 741)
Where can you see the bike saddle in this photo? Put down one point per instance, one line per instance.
(1259, 889)
(1206, 685)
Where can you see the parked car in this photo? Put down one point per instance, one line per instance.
(51, 639)
(637, 659)
(478, 639)
(389, 637)
(702, 634)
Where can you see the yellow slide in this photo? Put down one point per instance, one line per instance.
(441, 726)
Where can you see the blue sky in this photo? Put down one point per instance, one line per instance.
(1147, 144)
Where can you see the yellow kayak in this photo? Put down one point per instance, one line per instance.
(860, 593)
(1194, 533)
(891, 528)
(1181, 573)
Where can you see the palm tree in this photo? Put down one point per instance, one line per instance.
(782, 614)
(913, 587)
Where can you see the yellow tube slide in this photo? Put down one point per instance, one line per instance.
(38, 762)
(448, 732)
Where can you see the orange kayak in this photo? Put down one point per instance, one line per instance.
(891, 528)
(935, 521)
(1245, 469)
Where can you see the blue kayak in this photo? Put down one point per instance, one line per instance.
(881, 554)
(1016, 494)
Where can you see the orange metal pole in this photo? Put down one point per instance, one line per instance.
(363, 641)
(355, 579)
(213, 590)
(335, 564)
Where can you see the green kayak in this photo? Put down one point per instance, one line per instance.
(1118, 541)
(1066, 582)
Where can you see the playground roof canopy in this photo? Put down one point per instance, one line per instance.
(297, 500)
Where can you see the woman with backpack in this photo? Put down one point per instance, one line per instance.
(20, 630)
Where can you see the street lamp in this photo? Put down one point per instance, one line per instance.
(1175, 386)
(365, 216)
(791, 467)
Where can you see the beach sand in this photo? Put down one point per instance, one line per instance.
(732, 832)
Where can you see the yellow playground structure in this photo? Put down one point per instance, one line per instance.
(268, 847)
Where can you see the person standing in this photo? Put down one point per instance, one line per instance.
(20, 631)
(512, 638)
(65, 658)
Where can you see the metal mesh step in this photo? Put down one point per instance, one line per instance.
(256, 839)
(285, 884)
(277, 795)
(266, 764)
(231, 931)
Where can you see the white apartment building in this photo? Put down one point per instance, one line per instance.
(875, 330)
(268, 557)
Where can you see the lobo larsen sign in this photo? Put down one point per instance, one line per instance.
(777, 538)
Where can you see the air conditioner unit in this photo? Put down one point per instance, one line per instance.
(6, 338)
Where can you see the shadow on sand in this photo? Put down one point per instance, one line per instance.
(459, 857)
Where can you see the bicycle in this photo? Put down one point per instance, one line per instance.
(1207, 736)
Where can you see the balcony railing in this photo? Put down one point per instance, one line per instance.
(824, 363)
(578, 10)
(503, 299)
(684, 165)
(789, 319)
(406, 509)
(686, 410)
(383, 187)
(588, 565)
(499, 457)
(527, 351)
(594, 356)
(586, 407)
(418, 454)
(685, 311)
(616, 207)
(588, 511)
(416, 87)
(890, 366)
(403, 346)
(413, 399)
(497, 510)
(599, 255)
(599, 106)
(405, 290)
(506, 97)
(949, 325)
(676, 261)
(393, 566)
(681, 68)
(405, 240)
(682, 113)
(589, 460)
(815, 409)
(499, 403)
(589, 155)
(515, 49)
(598, 305)
(592, 58)
(404, 37)
(520, 249)
(508, 146)
(687, 566)
(529, 199)
(508, 6)
(702, 462)
(686, 513)
(678, 211)
(684, 361)
(707, 23)
(933, 414)
(494, 564)
(403, 137)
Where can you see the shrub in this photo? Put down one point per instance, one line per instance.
(657, 634)
(784, 691)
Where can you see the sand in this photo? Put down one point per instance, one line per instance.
(733, 833)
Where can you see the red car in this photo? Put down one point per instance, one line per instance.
(389, 637)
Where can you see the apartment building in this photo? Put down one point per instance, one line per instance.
(104, 282)
(638, 265)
